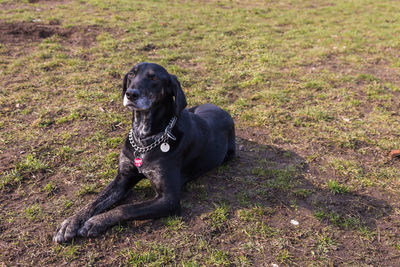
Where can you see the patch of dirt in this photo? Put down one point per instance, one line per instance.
(379, 69)
(47, 2)
(30, 4)
(19, 33)
(7, 6)
(384, 73)
(8, 159)
(148, 47)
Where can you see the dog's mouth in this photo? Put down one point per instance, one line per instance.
(141, 103)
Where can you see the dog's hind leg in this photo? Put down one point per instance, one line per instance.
(231, 151)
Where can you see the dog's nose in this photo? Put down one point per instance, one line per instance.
(132, 94)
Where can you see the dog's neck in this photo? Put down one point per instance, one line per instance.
(150, 122)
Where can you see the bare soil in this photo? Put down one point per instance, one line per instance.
(24, 33)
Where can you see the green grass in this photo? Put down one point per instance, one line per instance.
(69, 253)
(30, 165)
(10, 178)
(50, 188)
(219, 217)
(27, 167)
(154, 255)
(33, 212)
(339, 220)
(87, 189)
(325, 244)
(174, 223)
(313, 88)
(337, 188)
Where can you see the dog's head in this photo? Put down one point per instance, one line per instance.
(147, 85)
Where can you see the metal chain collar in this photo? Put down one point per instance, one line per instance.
(164, 137)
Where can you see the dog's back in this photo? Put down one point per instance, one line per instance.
(213, 139)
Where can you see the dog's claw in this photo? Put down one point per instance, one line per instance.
(58, 239)
(67, 230)
(83, 231)
(92, 227)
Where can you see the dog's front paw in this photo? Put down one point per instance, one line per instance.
(93, 227)
(67, 230)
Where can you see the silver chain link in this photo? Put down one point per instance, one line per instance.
(164, 137)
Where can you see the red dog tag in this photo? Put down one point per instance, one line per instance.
(138, 162)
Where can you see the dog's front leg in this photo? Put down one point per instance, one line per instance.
(114, 192)
(165, 204)
(157, 208)
(126, 178)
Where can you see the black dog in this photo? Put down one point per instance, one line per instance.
(168, 144)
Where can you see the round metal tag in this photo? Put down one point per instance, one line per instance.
(164, 147)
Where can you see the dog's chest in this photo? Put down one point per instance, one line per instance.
(146, 163)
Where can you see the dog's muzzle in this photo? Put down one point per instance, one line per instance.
(132, 94)
(134, 101)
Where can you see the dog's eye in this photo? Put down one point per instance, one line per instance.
(131, 76)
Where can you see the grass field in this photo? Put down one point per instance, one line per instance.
(313, 86)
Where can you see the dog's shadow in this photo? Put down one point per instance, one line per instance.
(269, 177)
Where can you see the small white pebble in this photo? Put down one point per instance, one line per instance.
(274, 265)
(294, 222)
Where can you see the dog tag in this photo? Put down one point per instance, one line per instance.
(138, 162)
(164, 147)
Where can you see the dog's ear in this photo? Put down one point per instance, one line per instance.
(124, 85)
(180, 99)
